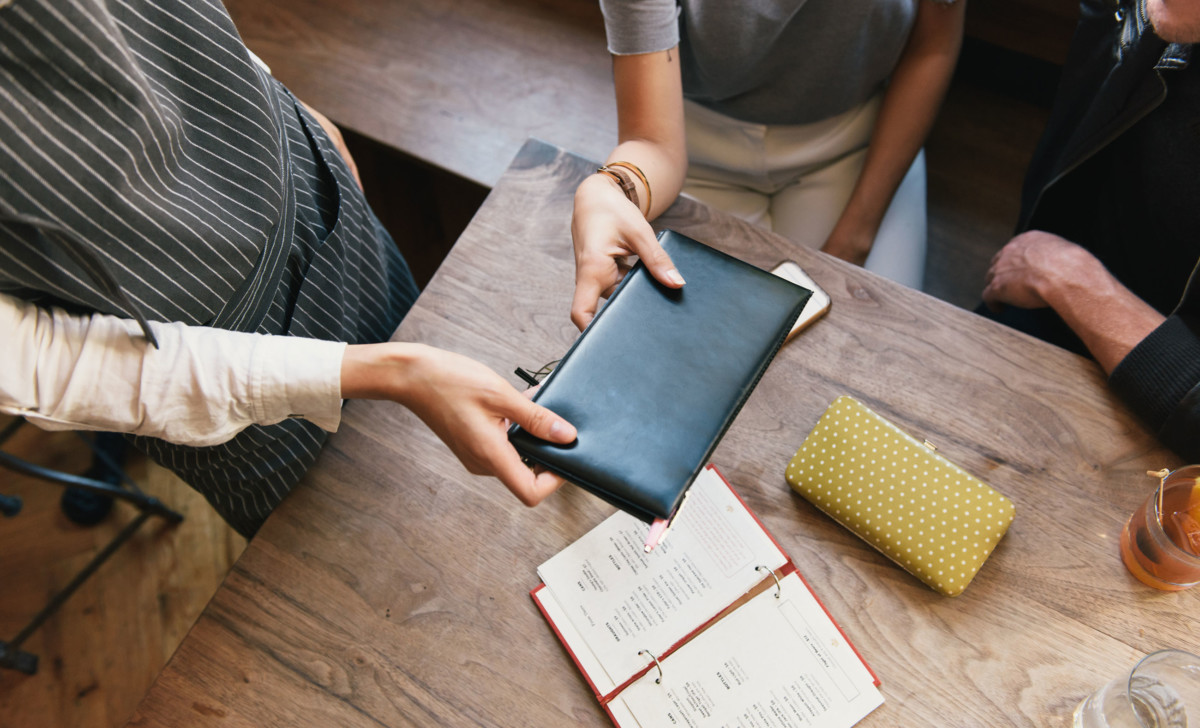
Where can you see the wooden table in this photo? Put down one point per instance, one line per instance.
(390, 588)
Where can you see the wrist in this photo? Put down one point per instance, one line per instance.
(1070, 276)
(381, 371)
(597, 184)
(632, 182)
(852, 238)
(599, 193)
(624, 181)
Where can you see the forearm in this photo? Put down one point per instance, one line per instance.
(663, 163)
(1037, 269)
(910, 105)
(390, 370)
(650, 124)
(612, 208)
(1105, 315)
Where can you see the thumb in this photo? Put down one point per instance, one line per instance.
(585, 302)
(541, 422)
(659, 263)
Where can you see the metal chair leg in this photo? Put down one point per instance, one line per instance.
(10, 505)
(11, 656)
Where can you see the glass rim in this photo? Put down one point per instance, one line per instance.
(1176, 471)
(1164, 651)
(1155, 657)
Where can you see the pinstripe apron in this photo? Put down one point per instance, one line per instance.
(150, 169)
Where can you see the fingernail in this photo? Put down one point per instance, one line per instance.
(561, 430)
(674, 277)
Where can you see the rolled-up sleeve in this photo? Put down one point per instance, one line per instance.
(200, 387)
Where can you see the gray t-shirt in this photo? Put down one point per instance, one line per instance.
(769, 61)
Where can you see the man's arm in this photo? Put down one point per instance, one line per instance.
(1160, 380)
(202, 386)
(1038, 269)
(1153, 360)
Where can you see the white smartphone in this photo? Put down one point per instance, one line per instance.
(817, 304)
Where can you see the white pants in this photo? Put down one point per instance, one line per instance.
(796, 180)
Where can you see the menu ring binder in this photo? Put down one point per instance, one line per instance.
(734, 649)
(778, 586)
(657, 680)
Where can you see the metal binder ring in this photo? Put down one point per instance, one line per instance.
(778, 586)
(657, 680)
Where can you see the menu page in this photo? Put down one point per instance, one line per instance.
(620, 600)
(772, 663)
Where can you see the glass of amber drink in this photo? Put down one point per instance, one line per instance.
(1161, 541)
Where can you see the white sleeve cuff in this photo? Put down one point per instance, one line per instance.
(296, 377)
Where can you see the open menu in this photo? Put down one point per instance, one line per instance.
(715, 627)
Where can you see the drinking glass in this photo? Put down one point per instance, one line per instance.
(1162, 691)
(1160, 544)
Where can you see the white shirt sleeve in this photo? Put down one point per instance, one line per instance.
(201, 386)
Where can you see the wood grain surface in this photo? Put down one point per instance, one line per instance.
(391, 587)
(101, 651)
(459, 84)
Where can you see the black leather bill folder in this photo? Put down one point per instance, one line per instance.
(658, 376)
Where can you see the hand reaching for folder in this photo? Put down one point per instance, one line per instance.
(468, 406)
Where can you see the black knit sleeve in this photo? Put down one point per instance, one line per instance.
(1160, 381)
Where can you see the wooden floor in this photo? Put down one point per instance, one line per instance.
(103, 649)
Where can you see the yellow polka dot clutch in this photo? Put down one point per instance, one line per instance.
(925, 513)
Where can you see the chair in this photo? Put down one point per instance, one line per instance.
(11, 655)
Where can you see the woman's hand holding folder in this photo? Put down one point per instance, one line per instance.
(606, 230)
(468, 406)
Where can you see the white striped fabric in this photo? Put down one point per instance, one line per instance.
(149, 168)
